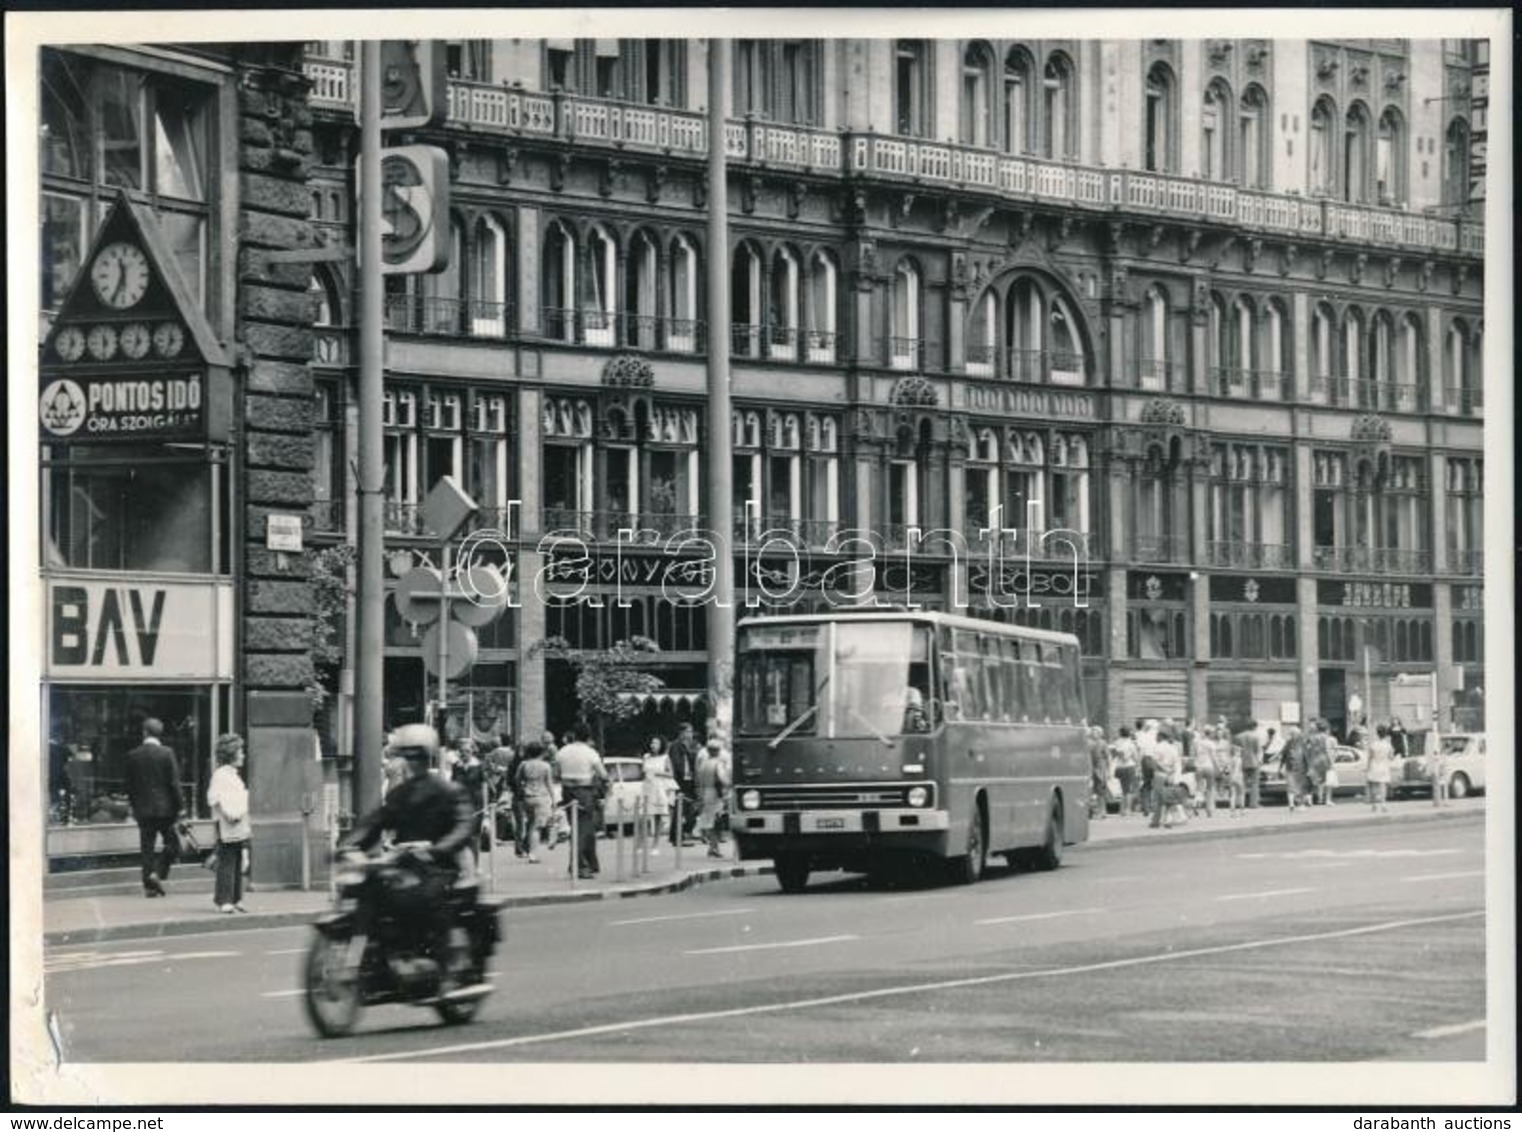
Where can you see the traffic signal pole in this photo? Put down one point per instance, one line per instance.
(369, 606)
(721, 611)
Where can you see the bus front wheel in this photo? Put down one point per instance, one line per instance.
(792, 872)
(968, 868)
(1049, 856)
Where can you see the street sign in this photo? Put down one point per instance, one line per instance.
(417, 596)
(283, 533)
(414, 209)
(414, 85)
(460, 649)
(446, 508)
(482, 595)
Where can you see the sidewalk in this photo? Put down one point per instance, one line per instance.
(188, 909)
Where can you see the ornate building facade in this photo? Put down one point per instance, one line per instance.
(1201, 321)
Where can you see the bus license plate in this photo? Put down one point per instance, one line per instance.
(830, 823)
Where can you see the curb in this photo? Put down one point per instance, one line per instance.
(257, 921)
(1228, 832)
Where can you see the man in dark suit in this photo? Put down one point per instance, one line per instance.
(684, 768)
(153, 789)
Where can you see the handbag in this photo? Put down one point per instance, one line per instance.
(186, 847)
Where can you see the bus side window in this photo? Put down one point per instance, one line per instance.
(1072, 671)
(988, 676)
(1009, 676)
(969, 687)
(952, 689)
(1035, 682)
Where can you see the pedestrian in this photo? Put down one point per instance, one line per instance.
(1292, 763)
(684, 768)
(1166, 779)
(534, 794)
(1123, 760)
(1146, 745)
(1381, 756)
(1399, 743)
(153, 792)
(1437, 770)
(657, 790)
(227, 796)
(469, 774)
(713, 781)
(583, 776)
(1207, 766)
(1318, 763)
(1250, 761)
(1099, 773)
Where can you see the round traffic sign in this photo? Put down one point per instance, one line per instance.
(479, 596)
(412, 595)
(460, 649)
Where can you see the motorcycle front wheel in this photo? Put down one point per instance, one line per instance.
(332, 987)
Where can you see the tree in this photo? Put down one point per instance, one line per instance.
(610, 683)
(330, 598)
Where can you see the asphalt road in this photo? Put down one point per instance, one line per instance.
(1343, 945)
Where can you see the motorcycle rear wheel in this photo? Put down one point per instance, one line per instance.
(332, 989)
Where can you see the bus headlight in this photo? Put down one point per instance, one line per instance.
(750, 800)
(917, 796)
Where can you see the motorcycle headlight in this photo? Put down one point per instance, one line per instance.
(917, 796)
(750, 800)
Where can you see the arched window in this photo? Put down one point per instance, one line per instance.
(1155, 353)
(1160, 130)
(1218, 334)
(1019, 95)
(488, 278)
(1381, 361)
(745, 301)
(782, 307)
(1390, 159)
(1323, 170)
(598, 305)
(440, 292)
(977, 95)
(682, 297)
(822, 307)
(1215, 133)
(559, 282)
(1323, 349)
(639, 317)
(1254, 120)
(1244, 335)
(1353, 361)
(904, 333)
(1065, 345)
(1408, 357)
(1060, 135)
(777, 79)
(1276, 348)
(1459, 370)
(326, 309)
(982, 335)
(1357, 183)
(1456, 163)
(911, 87)
(1024, 330)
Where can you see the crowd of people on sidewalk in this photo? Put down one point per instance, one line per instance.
(1168, 772)
(529, 791)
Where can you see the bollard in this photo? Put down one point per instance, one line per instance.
(643, 850)
(574, 865)
(489, 824)
(676, 826)
(618, 843)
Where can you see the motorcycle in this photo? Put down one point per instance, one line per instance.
(369, 950)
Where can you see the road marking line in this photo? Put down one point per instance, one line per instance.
(204, 955)
(771, 946)
(287, 951)
(281, 993)
(683, 916)
(1446, 876)
(1042, 916)
(913, 988)
(1449, 1031)
(1263, 895)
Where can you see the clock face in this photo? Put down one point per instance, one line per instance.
(120, 275)
(70, 343)
(168, 339)
(136, 340)
(102, 343)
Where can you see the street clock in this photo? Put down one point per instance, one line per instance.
(119, 274)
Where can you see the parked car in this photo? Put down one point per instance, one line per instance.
(1465, 754)
(626, 783)
(1351, 764)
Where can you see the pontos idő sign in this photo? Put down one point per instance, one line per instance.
(90, 409)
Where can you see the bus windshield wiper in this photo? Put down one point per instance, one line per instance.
(867, 723)
(797, 723)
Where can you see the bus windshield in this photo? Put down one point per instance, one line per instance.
(835, 679)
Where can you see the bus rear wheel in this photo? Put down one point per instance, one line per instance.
(968, 868)
(1049, 856)
(792, 872)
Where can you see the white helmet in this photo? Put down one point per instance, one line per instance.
(414, 740)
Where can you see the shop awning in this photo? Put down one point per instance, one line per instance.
(666, 697)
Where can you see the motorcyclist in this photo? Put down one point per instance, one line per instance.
(427, 809)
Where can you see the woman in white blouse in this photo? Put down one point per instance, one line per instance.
(228, 798)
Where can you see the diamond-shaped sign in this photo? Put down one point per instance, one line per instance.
(446, 508)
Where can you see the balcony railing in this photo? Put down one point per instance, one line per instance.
(404, 518)
(649, 528)
(1372, 560)
(1247, 384)
(1466, 561)
(906, 353)
(1248, 555)
(1160, 549)
(631, 127)
(585, 326)
(1161, 376)
(1376, 396)
(455, 318)
(813, 533)
(821, 345)
(1039, 546)
(1028, 367)
(1464, 401)
(780, 343)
